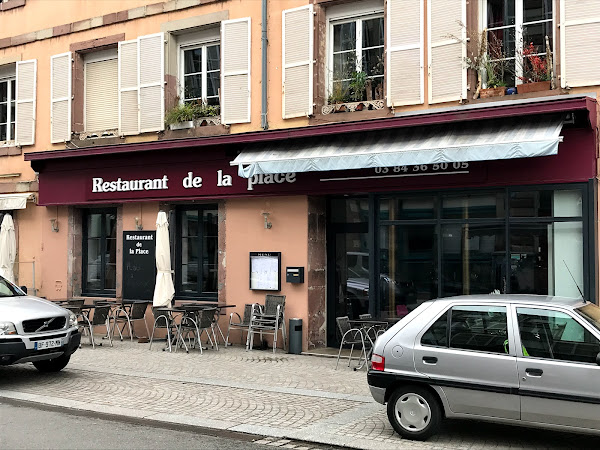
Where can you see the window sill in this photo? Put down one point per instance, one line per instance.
(199, 122)
(10, 149)
(319, 119)
(203, 128)
(11, 4)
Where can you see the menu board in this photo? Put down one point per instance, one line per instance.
(265, 271)
(139, 264)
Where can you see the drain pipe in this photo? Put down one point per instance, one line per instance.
(264, 41)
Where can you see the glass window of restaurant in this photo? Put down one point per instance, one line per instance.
(196, 253)
(100, 252)
(519, 240)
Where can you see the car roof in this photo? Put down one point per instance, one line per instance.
(517, 298)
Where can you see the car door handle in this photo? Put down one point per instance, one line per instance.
(429, 359)
(534, 372)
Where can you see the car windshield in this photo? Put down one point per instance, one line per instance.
(7, 289)
(591, 313)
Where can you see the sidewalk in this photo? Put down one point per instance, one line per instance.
(295, 397)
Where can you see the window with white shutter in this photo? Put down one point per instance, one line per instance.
(60, 97)
(141, 84)
(447, 75)
(26, 102)
(297, 55)
(235, 73)
(8, 95)
(405, 65)
(101, 91)
(580, 42)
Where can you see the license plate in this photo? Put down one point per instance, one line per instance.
(49, 343)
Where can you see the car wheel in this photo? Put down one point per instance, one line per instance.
(52, 365)
(414, 412)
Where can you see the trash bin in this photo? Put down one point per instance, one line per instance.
(295, 346)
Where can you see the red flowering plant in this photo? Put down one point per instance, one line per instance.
(535, 66)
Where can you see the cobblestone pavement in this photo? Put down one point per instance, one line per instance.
(278, 396)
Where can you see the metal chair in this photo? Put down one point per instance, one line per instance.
(101, 316)
(268, 319)
(241, 323)
(128, 313)
(196, 322)
(163, 318)
(352, 336)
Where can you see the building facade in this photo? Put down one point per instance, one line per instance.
(341, 153)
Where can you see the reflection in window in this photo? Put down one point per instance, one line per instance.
(480, 328)
(8, 93)
(100, 250)
(201, 74)
(197, 252)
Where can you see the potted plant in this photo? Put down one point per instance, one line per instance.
(536, 71)
(189, 114)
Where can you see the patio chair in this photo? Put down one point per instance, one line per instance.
(239, 324)
(101, 316)
(127, 313)
(163, 319)
(268, 319)
(350, 336)
(196, 322)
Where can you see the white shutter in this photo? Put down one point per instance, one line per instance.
(60, 97)
(297, 64)
(235, 71)
(26, 102)
(405, 71)
(152, 77)
(580, 42)
(447, 72)
(129, 112)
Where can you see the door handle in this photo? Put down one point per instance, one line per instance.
(429, 359)
(534, 372)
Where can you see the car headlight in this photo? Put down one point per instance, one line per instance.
(7, 328)
(72, 320)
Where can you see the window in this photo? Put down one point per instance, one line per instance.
(100, 252)
(197, 252)
(480, 328)
(200, 68)
(101, 91)
(356, 58)
(8, 91)
(555, 335)
(437, 334)
(514, 25)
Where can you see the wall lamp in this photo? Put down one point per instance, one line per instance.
(54, 225)
(268, 224)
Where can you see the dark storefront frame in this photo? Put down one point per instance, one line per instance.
(103, 251)
(373, 226)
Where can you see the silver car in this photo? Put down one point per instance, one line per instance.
(521, 359)
(35, 330)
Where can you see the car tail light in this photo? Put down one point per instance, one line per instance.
(377, 362)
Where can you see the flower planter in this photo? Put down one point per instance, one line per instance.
(492, 92)
(182, 125)
(533, 87)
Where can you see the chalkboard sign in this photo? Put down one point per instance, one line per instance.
(139, 264)
(265, 271)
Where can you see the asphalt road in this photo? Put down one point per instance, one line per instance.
(29, 427)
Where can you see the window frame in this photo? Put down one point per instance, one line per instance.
(198, 295)
(94, 57)
(193, 42)
(104, 292)
(346, 14)
(11, 99)
(518, 27)
(587, 327)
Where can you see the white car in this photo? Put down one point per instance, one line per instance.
(35, 330)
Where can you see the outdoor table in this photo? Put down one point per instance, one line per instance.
(171, 311)
(370, 329)
(202, 305)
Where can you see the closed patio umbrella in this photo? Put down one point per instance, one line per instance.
(8, 248)
(164, 289)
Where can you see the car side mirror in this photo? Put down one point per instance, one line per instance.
(598, 359)
(24, 289)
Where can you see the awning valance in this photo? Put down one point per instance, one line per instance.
(10, 202)
(454, 142)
